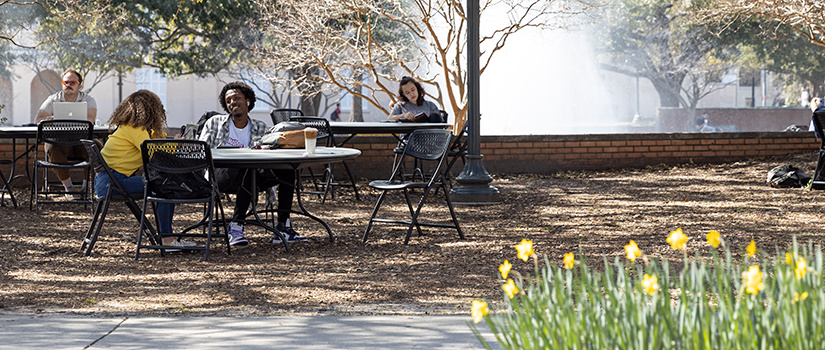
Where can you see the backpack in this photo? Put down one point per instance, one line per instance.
(177, 185)
(787, 175)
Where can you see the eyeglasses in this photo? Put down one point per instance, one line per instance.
(70, 82)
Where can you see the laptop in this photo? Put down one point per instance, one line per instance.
(70, 110)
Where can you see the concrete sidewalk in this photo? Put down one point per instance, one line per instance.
(281, 332)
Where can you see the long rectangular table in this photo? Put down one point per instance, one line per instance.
(395, 128)
(28, 133)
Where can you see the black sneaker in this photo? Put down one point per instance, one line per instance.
(289, 233)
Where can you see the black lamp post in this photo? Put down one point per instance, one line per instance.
(473, 182)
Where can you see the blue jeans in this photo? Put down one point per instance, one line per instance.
(134, 184)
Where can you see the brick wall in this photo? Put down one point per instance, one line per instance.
(551, 153)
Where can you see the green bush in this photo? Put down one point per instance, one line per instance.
(712, 303)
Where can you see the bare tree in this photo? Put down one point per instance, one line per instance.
(383, 39)
(803, 16)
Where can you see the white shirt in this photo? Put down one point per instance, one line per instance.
(238, 137)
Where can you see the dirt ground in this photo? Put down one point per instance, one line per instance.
(597, 212)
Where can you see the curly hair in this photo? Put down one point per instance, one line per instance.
(243, 88)
(404, 81)
(142, 109)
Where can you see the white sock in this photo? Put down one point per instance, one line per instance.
(68, 186)
(235, 226)
(287, 223)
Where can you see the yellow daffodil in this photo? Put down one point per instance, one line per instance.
(632, 251)
(677, 239)
(797, 297)
(751, 249)
(525, 249)
(510, 288)
(479, 310)
(801, 268)
(505, 269)
(714, 238)
(752, 280)
(790, 259)
(650, 284)
(569, 261)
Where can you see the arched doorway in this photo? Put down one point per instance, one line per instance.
(43, 84)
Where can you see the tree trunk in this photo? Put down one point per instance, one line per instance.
(666, 96)
(357, 112)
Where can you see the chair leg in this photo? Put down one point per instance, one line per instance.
(97, 225)
(452, 211)
(374, 212)
(33, 193)
(6, 189)
(414, 215)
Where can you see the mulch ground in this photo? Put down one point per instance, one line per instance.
(593, 212)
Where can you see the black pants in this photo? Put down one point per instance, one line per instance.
(239, 181)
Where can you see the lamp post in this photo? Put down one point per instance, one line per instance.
(473, 182)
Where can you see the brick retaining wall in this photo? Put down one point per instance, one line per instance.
(546, 154)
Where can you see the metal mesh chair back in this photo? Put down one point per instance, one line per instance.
(321, 124)
(96, 160)
(183, 156)
(64, 132)
(428, 144)
(283, 114)
(99, 164)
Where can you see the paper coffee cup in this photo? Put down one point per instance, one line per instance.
(310, 134)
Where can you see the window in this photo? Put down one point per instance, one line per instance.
(153, 80)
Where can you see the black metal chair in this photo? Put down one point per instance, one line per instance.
(403, 142)
(283, 114)
(6, 187)
(325, 183)
(65, 133)
(116, 192)
(185, 166)
(425, 146)
(818, 182)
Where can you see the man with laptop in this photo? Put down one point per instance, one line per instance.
(55, 107)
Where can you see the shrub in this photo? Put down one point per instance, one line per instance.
(718, 303)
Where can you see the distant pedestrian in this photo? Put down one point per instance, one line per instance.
(703, 124)
(336, 114)
(804, 97)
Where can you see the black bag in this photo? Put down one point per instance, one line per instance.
(787, 175)
(177, 185)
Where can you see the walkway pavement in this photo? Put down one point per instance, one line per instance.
(282, 332)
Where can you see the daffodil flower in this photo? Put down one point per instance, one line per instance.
(677, 239)
(525, 249)
(650, 284)
(790, 259)
(505, 269)
(801, 268)
(569, 261)
(752, 280)
(797, 297)
(714, 238)
(751, 249)
(479, 310)
(632, 251)
(510, 288)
